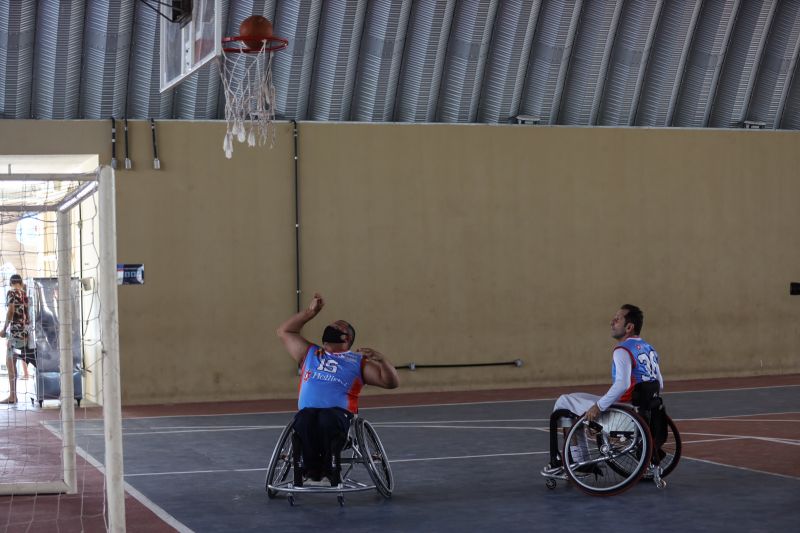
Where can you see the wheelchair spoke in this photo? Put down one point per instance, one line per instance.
(375, 458)
(280, 463)
(610, 460)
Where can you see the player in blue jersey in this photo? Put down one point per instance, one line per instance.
(634, 362)
(332, 378)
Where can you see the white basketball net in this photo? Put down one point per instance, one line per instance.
(249, 98)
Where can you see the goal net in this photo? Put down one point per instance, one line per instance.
(60, 356)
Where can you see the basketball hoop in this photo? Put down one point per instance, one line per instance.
(246, 74)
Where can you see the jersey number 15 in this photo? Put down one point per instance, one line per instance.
(328, 365)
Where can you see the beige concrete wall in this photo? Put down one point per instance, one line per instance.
(449, 244)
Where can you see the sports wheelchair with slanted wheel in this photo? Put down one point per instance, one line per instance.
(362, 447)
(609, 455)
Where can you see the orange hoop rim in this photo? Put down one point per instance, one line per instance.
(273, 44)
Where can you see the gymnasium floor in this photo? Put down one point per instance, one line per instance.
(461, 461)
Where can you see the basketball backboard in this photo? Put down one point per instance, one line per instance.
(191, 36)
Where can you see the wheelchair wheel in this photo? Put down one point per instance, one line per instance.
(281, 461)
(670, 451)
(607, 456)
(374, 456)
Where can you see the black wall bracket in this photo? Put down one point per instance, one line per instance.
(415, 366)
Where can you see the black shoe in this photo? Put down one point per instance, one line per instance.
(335, 477)
(298, 475)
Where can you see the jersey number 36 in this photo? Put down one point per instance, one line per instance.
(650, 362)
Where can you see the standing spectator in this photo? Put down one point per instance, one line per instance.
(15, 330)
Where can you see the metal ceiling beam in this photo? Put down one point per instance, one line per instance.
(751, 79)
(57, 65)
(17, 51)
(687, 45)
(507, 63)
(784, 94)
(648, 48)
(773, 84)
(332, 82)
(421, 73)
(742, 62)
(106, 53)
(380, 60)
(292, 68)
(709, 98)
(564, 67)
(465, 60)
(604, 64)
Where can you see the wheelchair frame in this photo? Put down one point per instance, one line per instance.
(362, 447)
(613, 453)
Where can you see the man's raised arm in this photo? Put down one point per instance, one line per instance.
(289, 331)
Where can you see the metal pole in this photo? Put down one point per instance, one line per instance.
(65, 349)
(296, 220)
(112, 403)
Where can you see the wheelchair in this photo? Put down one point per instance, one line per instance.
(362, 447)
(611, 454)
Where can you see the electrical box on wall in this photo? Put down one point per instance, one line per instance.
(132, 274)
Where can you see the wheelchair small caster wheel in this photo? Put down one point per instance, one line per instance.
(661, 483)
(341, 500)
(550, 484)
(291, 499)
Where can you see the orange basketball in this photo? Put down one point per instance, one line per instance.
(255, 26)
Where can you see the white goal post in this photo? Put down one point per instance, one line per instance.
(55, 201)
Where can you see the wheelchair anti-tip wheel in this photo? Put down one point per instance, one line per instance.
(609, 455)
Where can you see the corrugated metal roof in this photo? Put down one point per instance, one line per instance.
(692, 63)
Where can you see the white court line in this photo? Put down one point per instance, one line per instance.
(216, 429)
(215, 426)
(200, 415)
(731, 390)
(391, 461)
(701, 441)
(132, 433)
(742, 420)
(707, 440)
(463, 421)
(437, 426)
(778, 440)
(488, 402)
(456, 457)
(476, 421)
(141, 498)
(732, 417)
(577, 387)
(189, 472)
(181, 428)
(292, 412)
(742, 468)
